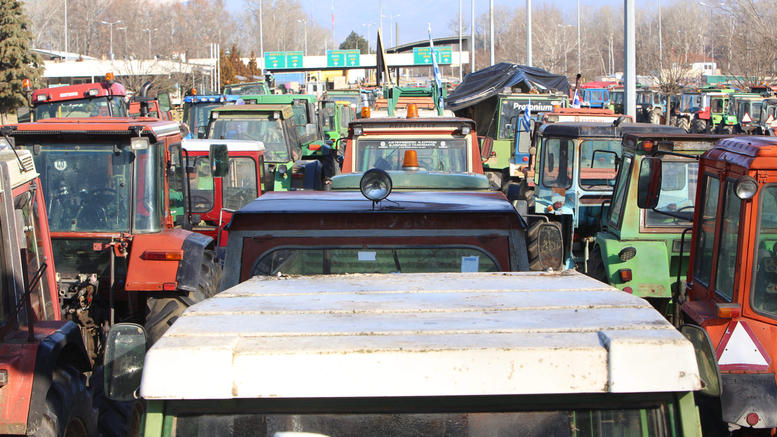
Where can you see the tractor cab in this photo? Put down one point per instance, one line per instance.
(576, 172)
(731, 292)
(99, 99)
(247, 89)
(768, 118)
(639, 249)
(196, 111)
(744, 110)
(334, 117)
(214, 199)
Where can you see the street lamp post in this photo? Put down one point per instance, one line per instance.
(369, 38)
(126, 49)
(579, 58)
(304, 22)
(391, 28)
(148, 32)
(110, 24)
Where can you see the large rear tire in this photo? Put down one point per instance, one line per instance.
(67, 411)
(162, 311)
(698, 126)
(116, 418)
(683, 123)
(595, 266)
(654, 116)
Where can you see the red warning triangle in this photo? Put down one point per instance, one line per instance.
(739, 349)
(746, 118)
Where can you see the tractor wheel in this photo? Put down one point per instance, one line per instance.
(698, 126)
(67, 411)
(116, 418)
(673, 120)
(683, 123)
(726, 130)
(596, 268)
(162, 311)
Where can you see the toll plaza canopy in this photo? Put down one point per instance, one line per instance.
(488, 82)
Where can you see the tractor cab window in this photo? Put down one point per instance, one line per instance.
(755, 112)
(28, 213)
(702, 266)
(448, 154)
(345, 116)
(175, 181)
(239, 186)
(729, 239)
(596, 95)
(599, 163)
(718, 106)
(510, 114)
(148, 198)
(87, 185)
(620, 192)
(94, 107)
(764, 294)
(201, 184)
(616, 97)
(328, 116)
(645, 98)
(197, 116)
(678, 194)
(265, 128)
(557, 158)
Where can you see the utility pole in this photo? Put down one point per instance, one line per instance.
(491, 26)
(148, 31)
(528, 33)
(461, 72)
(65, 25)
(579, 57)
(660, 45)
(380, 22)
(261, 34)
(472, 41)
(630, 59)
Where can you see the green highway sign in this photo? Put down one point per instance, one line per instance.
(282, 60)
(423, 55)
(342, 58)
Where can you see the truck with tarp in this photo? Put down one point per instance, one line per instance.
(433, 354)
(293, 158)
(497, 99)
(43, 362)
(214, 199)
(115, 189)
(100, 99)
(640, 250)
(729, 297)
(576, 169)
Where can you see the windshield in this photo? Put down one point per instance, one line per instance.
(196, 115)
(644, 98)
(654, 420)
(374, 260)
(755, 112)
(88, 185)
(327, 116)
(246, 89)
(616, 97)
(621, 191)
(353, 99)
(596, 96)
(690, 101)
(511, 110)
(433, 154)
(764, 294)
(201, 185)
(678, 193)
(557, 159)
(599, 163)
(718, 106)
(266, 129)
(94, 107)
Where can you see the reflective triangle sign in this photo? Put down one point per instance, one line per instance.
(739, 349)
(746, 118)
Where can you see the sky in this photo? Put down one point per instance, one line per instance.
(412, 15)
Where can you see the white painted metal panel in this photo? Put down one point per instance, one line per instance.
(418, 335)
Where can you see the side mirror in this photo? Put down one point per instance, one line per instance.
(125, 350)
(546, 246)
(509, 130)
(486, 147)
(202, 132)
(705, 358)
(649, 183)
(219, 160)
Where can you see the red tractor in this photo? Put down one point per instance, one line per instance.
(99, 99)
(115, 189)
(42, 357)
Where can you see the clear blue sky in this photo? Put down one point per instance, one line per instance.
(413, 14)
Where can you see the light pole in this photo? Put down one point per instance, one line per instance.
(261, 34)
(528, 33)
(304, 22)
(712, 38)
(369, 38)
(491, 26)
(148, 32)
(65, 25)
(472, 40)
(579, 57)
(391, 27)
(460, 66)
(110, 24)
(126, 50)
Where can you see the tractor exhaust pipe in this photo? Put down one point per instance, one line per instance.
(144, 98)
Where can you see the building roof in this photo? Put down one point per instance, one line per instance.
(433, 334)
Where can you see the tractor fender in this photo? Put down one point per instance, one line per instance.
(650, 266)
(64, 346)
(745, 393)
(146, 272)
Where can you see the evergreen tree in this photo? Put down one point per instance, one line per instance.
(227, 72)
(355, 41)
(17, 62)
(253, 67)
(237, 65)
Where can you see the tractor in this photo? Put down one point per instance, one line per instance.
(104, 99)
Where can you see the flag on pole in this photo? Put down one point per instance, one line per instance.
(526, 119)
(576, 100)
(437, 81)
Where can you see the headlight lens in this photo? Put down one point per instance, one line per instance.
(375, 185)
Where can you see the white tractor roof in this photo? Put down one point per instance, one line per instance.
(439, 334)
(203, 145)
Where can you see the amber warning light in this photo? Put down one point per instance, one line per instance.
(26, 85)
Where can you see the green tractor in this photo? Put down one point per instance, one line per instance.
(294, 157)
(712, 115)
(746, 111)
(333, 117)
(640, 250)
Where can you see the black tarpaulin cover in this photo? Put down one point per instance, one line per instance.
(487, 82)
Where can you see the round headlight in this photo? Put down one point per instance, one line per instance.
(375, 184)
(746, 188)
